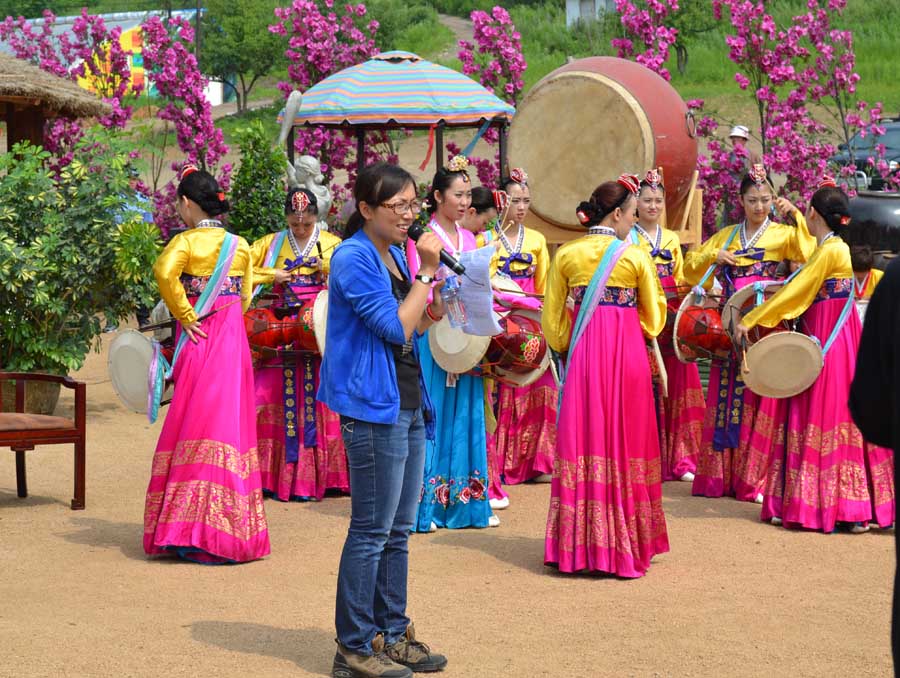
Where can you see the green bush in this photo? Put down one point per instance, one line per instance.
(72, 246)
(258, 191)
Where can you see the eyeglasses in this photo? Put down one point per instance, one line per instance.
(400, 208)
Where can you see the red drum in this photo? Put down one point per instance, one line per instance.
(520, 354)
(600, 112)
(299, 330)
(698, 329)
(263, 328)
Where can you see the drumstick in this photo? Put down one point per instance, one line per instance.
(171, 321)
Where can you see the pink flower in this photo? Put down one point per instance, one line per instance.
(465, 495)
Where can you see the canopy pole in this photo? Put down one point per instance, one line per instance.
(290, 146)
(439, 142)
(504, 129)
(360, 149)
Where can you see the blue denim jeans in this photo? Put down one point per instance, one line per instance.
(386, 470)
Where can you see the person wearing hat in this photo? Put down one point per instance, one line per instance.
(606, 512)
(301, 454)
(742, 432)
(741, 159)
(827, 475)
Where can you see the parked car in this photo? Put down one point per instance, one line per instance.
(867, 178)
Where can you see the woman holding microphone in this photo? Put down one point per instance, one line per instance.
(370, 375)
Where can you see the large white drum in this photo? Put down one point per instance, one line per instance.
(130, 354)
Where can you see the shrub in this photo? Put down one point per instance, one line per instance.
(257, 194)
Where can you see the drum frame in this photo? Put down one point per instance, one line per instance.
(695, 298)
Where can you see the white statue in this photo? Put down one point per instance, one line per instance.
(306, 172)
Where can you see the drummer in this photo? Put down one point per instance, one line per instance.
(456, 461)
(828, 474)
(680, 412)
(526, 415)
(301, 453)
(742, 432)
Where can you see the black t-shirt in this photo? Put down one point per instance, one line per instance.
(404, 358)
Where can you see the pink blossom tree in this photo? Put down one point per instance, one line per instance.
(645, 22)
(90, 51)
(495, 59)
(322, 42)
(169, 58)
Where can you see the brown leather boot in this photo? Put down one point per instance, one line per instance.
(417, 656)
(348, 664)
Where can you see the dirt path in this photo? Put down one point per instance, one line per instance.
(462, 30)
(733, 597)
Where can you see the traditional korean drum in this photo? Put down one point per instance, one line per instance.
(320, 319)
(698, 329)
(777, 362)
(130, 354)
(519, 355)
(263, 328)
(298, 329)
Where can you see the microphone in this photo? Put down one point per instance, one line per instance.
(415, 232)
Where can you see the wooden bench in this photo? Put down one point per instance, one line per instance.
(21, 431)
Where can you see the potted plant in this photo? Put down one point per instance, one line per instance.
(71, 247)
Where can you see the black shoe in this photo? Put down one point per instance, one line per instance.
(410, 652)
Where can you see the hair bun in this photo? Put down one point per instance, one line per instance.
(586, 213)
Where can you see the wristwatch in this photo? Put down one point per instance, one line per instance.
(427, 279)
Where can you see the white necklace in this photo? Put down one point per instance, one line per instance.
(208, 223)
(747, 244)
(602, 230)
(295, 247)
(654, 246)
(520, 239)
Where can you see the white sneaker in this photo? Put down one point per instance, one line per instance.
(776, 520)
(499, 504)
(759, 499)
(688, 477)
(494, 521)
(859, 529)
(433, 527)
(543, 478)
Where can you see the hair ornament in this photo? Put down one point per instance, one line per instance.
(585, 213)
(458, 163)
(759, 176)
(501, 200)
(187, 170)
(221, 196)
(826, 182)
(630, 181)
(845, 220)
(299, 202)
(653, 179)
(518, 175)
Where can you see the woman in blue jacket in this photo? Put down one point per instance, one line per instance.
(370, 375)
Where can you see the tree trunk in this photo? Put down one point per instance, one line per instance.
(682, 55)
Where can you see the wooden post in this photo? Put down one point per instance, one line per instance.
(439, 143)
(360, 149)
(504, 131)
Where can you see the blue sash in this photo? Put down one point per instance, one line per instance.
(160, 369)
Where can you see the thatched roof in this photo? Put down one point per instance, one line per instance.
(23, 82)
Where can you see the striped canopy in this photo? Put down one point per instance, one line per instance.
(402, 89)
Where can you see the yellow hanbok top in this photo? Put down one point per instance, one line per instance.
(671, 242)
(534, 244)
(780, 242)
(830, 261)
(875, 276)
(574, 266)
(195, 252)
(260, 248)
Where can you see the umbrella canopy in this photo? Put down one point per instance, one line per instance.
(399, 89)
